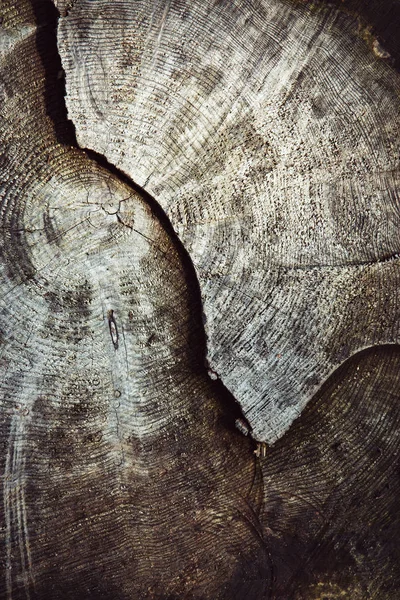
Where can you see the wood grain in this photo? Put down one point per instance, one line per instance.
(268, 132)
(123, 472)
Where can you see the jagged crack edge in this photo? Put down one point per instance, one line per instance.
(66, 133)
(225, 396)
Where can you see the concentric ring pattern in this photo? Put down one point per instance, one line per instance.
(268, 132)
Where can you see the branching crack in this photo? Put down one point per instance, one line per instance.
(120, 220)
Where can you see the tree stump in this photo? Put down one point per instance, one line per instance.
(199, 324)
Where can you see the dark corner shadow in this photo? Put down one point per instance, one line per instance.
(382, 16)
(47, 15)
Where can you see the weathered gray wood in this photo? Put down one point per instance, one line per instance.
(268, 131)
(110, 429)
(123, 475)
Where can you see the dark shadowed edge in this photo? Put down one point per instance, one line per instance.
(47, 15)
(381, 17)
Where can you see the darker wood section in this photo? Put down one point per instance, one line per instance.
(332, 487)
(381, 17)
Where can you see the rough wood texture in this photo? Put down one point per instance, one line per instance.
(268, 131)
(123, 474)
(102, 374)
